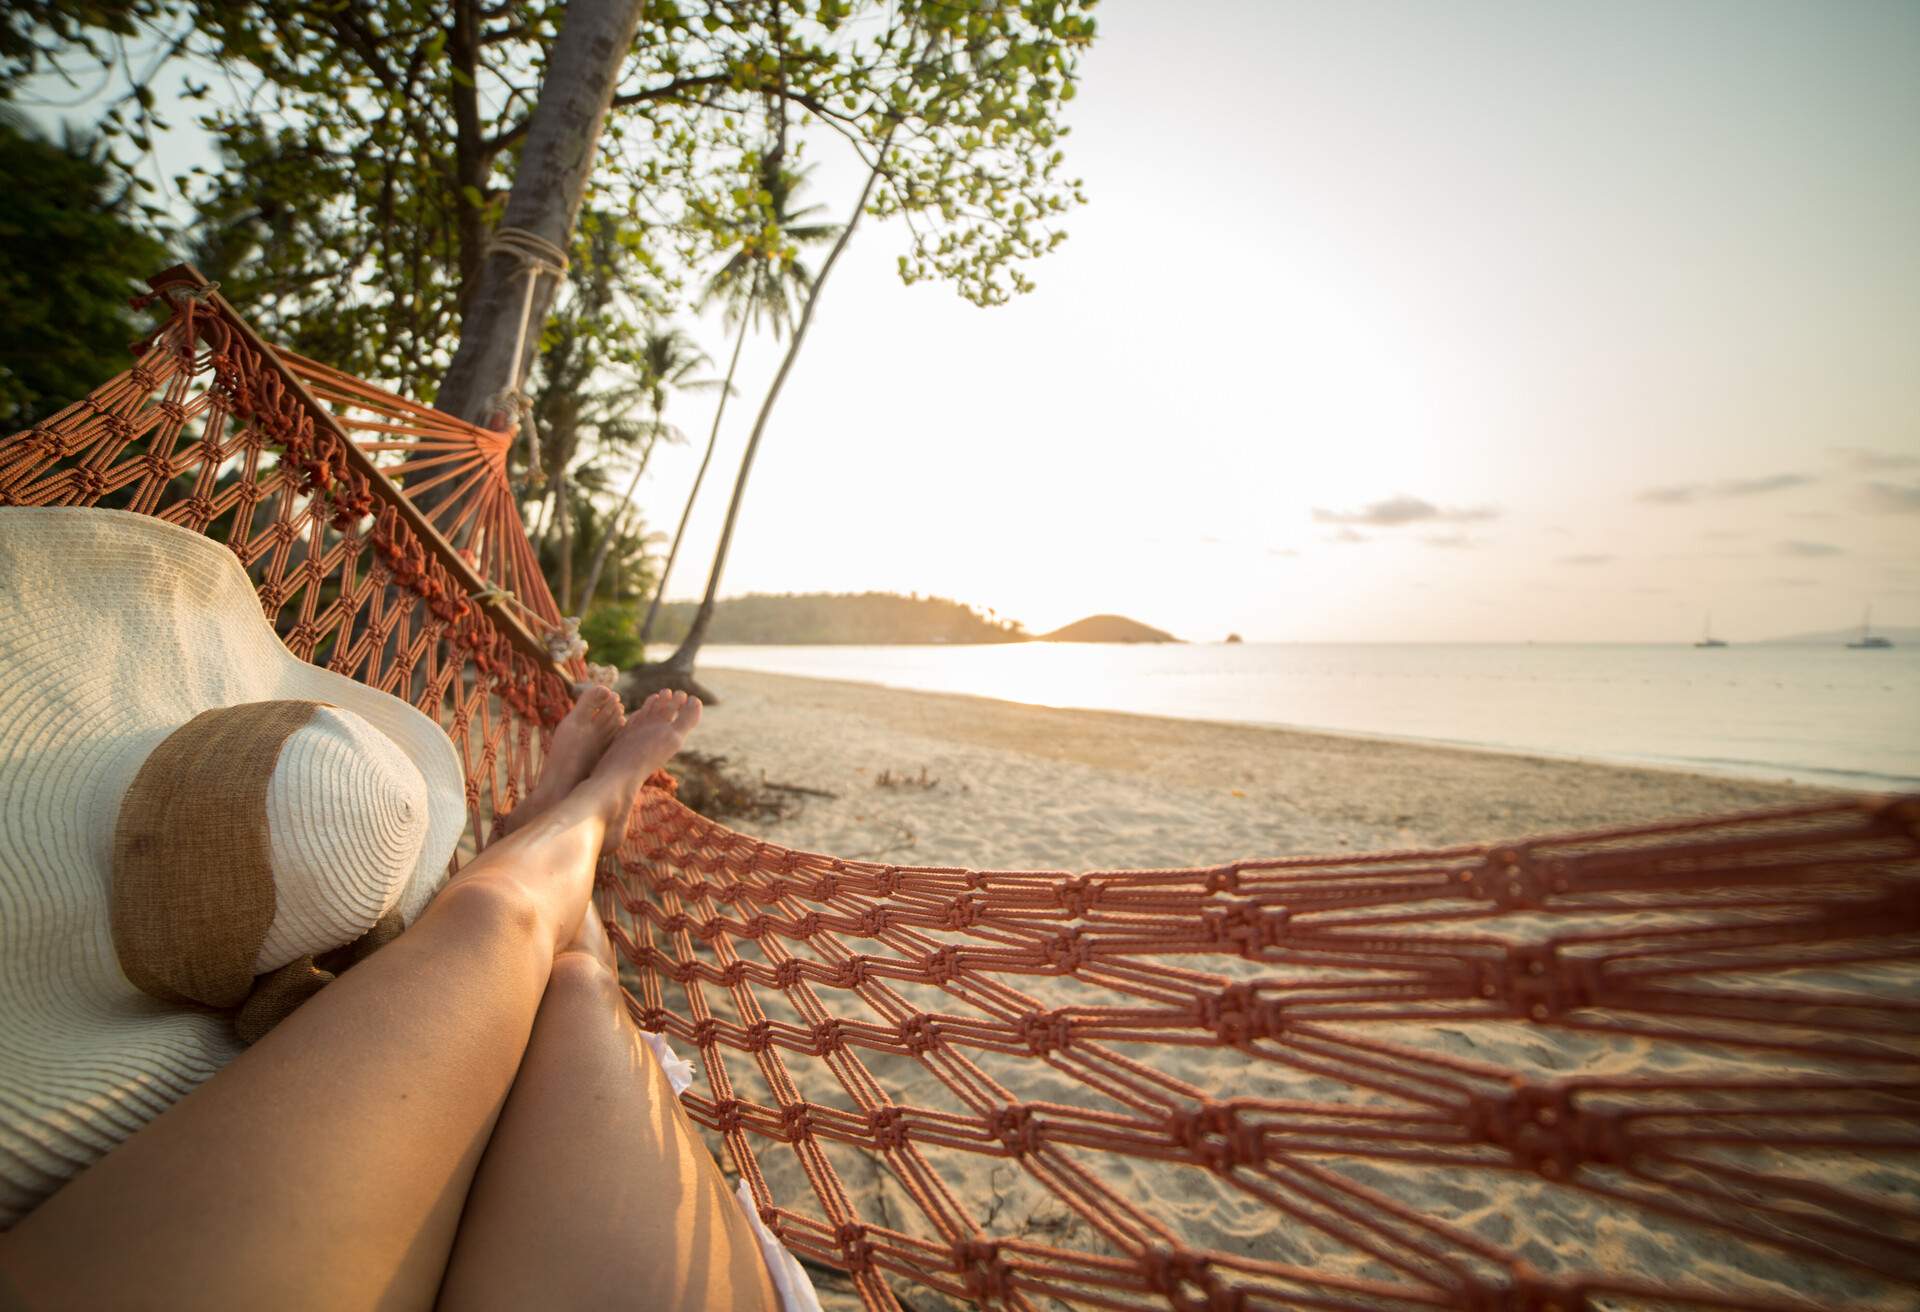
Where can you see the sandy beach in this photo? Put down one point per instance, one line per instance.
(933, 779)
(1025, 787)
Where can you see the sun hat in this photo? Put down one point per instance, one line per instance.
(189, 814)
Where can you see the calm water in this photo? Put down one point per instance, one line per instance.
(1818, 714)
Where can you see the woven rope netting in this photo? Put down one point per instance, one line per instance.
(1671, 1066)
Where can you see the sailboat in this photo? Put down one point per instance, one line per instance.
(1706, 634)
(1868, 638)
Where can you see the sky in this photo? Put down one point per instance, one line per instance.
(1397, 321)
(1392, 321)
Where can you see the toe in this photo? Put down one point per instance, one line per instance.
(688, 715)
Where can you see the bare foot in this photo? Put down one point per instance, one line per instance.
(651, 736)
(577, 744)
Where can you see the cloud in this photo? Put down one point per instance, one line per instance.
(1860, 457)
(1791, 582)
(1281, 551)
(1585, 558)
(1893, 498)
(1347, 535)
(1677, 494)
(1401, 510)
(1450, 540)
(1680, 494)
(1721, 535)
(1748, 487)
(1795, 547)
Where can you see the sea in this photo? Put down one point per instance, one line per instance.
(1820, 715)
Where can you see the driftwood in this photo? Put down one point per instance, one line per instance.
(796, 788)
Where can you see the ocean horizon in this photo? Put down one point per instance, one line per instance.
(1829, 716)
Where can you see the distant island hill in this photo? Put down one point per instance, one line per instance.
(879, 619)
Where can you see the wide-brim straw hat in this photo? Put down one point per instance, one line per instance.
(174, 785)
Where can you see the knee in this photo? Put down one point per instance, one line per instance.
(579, 973)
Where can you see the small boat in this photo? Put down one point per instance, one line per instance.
(1706, 634)
(1869, 640)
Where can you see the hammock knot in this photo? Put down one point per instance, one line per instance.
(920, 1035)
(964, 912)
(942, 965)
(705, 1032)
(856, 1251)
(1544, 1130)
(982, 1270)
(759, 1036)
(1076, 895)
(1069, 950)
(1224, 880)
(1237, 1014)
(1047, 1032)
(1508, 878)
(796, 1122)
(787, 973)
(875, 921)
(829, 1037)
(888, 1126)
(850, 974)
(1185, 1278)
(726, 1115)
(1216, 1137)
(807, 925)
(1014, 1126)
(1247, 927)
(1538, 985)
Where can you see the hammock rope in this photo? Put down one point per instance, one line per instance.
(537, 257)
(1663, 1066)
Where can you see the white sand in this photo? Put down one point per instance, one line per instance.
(1020, 787)
(1032, 787)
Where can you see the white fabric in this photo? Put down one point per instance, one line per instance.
(790, 1279)
(115, 630)
(679, 1070)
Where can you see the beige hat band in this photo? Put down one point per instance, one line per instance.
(193, 895)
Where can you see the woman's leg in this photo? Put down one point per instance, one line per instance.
(595, 1191)
(326, 1167)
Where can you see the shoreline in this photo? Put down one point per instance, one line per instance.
(941, 778)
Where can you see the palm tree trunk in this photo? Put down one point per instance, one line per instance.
(673, 552)
(613, 527)
(681, 662)
(563, 507)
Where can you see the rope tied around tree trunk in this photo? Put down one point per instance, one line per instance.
(536, 256)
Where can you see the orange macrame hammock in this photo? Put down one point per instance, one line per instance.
(1671, 1066)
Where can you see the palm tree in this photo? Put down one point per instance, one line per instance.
(667, 361)
(759, 284)
(677, 669)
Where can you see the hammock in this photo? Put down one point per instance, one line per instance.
(1668, 1066)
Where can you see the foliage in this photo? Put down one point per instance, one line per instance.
(609, 631)
(832, 617)
(69, 259)
(370, 145)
